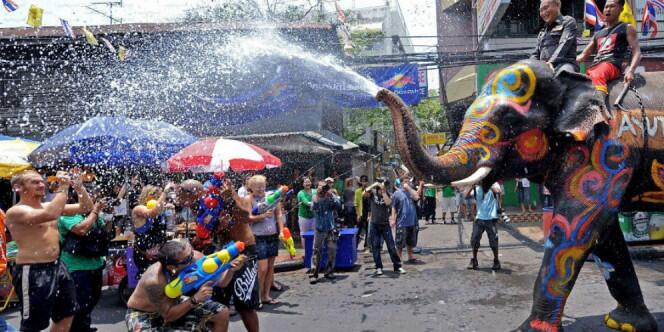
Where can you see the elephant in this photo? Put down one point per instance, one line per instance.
(554, 128)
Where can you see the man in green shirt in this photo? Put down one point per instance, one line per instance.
(86, 271)
(304, 205)
(449, 203)
(362, 211)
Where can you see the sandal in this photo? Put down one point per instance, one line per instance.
(271, 302)
(276, 287)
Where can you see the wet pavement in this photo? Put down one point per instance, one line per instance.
(438, 294)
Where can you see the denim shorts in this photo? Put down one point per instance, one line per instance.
(267, 246)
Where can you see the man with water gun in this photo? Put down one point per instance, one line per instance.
(158, 304)
(243, 289)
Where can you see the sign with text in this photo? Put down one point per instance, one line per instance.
(434, 138)
(403, 80)
(489, 13)
(423, 79)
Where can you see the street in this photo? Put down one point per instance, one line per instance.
(438, 295)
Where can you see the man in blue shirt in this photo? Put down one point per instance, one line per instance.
(326, 203)
(486, 220)
(404, 215)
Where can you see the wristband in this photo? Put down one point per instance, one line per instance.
(193, 301)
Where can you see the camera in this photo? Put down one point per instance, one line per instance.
(324, 189)
(171, 197)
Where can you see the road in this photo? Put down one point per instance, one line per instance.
(438, 295)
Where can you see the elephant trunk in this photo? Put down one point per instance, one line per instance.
(444, 169)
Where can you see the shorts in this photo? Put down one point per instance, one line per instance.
(524, 195)
(194, 320)
(406, 236)
(45, 291)
(479, 226)
(267, 246)
(121, 223)
(243, 288)
(449, 204)
(603, 73)
(306, 224)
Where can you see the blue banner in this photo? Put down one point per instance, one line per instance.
(403, 80)
(287, 84)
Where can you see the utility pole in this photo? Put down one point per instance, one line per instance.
(110, 5)
(441, 74)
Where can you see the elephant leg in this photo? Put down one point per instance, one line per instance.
(631, 313)
(564, 255)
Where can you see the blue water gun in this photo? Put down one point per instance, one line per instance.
(205, 269)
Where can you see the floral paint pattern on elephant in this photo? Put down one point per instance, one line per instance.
(514, 87)
(599, 185)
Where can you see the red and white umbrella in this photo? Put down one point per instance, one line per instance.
(212, 154)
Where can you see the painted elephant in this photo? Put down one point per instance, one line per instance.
(529, 122)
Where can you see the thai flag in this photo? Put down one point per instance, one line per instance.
(9, 5)
(649, 19)
(593, 16)
(658, 3)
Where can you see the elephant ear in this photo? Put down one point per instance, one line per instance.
(581, 108)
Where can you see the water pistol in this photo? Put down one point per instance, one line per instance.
(205, 269)
(287, 239)
(210, 206)
(272, 200)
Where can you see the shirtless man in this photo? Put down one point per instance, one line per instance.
(45, 288)
(149, 309)
(244, 286)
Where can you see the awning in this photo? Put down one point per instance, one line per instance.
(14, 155)
(323, 142)
(462, 85)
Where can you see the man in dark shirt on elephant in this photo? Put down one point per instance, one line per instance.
(556, 43)
(612, 46)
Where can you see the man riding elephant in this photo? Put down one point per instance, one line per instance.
(612, 45)
(529, 122)
(556, 42)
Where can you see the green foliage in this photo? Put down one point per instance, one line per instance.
(365, 39)
(429, 116)
(225, 12)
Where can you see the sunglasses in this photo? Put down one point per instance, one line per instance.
(187, 260)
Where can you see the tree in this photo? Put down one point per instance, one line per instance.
(365, 39)
(429, 117)
(251, 10)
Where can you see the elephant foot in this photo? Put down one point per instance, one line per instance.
(631, 320)
(536, 325)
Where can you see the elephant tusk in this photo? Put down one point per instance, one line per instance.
(476, 177)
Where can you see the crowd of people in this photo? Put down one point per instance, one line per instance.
(62, 228)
